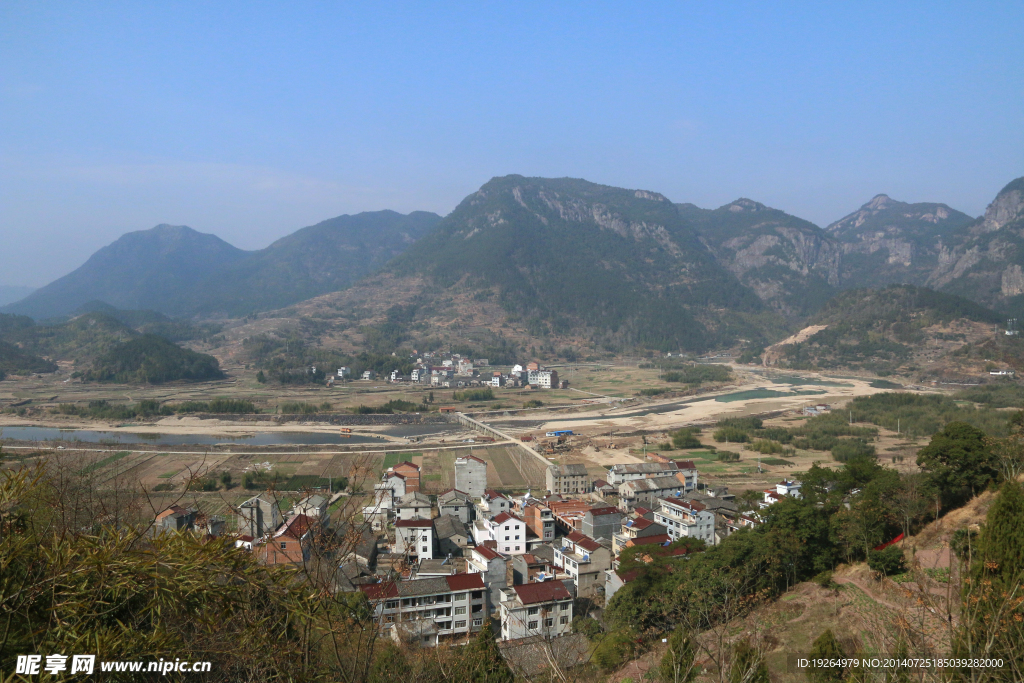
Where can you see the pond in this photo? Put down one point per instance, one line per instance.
(763, 393)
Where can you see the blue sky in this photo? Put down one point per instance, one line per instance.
(250, 120)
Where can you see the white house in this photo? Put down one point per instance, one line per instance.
(415, 537)
(507, 531)
(686, 519)
(535, 609)
(782, 489)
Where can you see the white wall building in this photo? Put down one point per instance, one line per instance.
(415, 537)
(535, 609)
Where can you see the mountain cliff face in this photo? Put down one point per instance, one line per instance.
(178, 271)
(984, 261)
(888, 241)
(571, 255)
(790, 263)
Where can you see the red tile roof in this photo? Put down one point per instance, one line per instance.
(641, 511)
(547, 591)
(297, 526)
(473, 457)
(486, 553)
(416, 523)
(504, 517)
(685, 465)
(600, 483)
(583, 541)
(659, 539)
(491, 493)
(641, 523)
(379, 591)
(604, 510)
(465, 582)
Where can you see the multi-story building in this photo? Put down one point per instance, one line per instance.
(567, 479)
(533, 566)
(471, 476)
(386, 495)
(290, 544)
(545, 379)
(507, 531)
(411, 472)
(175, 518)
(540, 521)
(602, 521)
(632, 529)
(314, 506)
(494, 568)
(647, 490)
(782, 489)
(258, 516)
(457, 504)
(415, 538)
(585, 560)
(429, 611)
(686, 519)
(414, 505)
(452, 536)
(493, 503)
(623, 472)
(535, 609)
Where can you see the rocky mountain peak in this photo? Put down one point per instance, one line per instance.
(1007, 207)
(744, 204)
(653, 196)
(879, 202)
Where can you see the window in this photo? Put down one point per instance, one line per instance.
(563, 620)
(478, 595)
(478, 622)
(460, 610)
(517, 538)
(506, 527)
(460, 597)
(549, 622)
(533, 610)
(391, 604)
(564, 606)
(460, 624)
(532, 625)
(506, 538)
(477, 608)
(517, 547)
(424, 548)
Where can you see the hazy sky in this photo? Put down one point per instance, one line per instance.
(250, 120)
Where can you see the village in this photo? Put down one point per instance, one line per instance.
(455, 371)
(437, 568)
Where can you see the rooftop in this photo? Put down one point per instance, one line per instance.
(415, 523)
(547, 591)
(571, 470)
(583, 541)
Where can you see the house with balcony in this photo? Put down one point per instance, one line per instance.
(686, 519)
(623, 472)
(534, 566)
(632, 529)
(507, 531)
(493, 503)
(647, 491)
(540, 521)
(584, 560)
(493, 567)
(535, 609)
(426, 612)
(567, 479)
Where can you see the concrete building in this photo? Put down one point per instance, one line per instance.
(314, 506)
(452, 536)
(386, 495)
(493, 503)
(535, 609)
(258, 516)
(290, 544)
(602, 521)
(457, 504)
(426, 612)
(411, 472)
(540, 521)
(415, 538)
(686, 519)
(623, 472)
(647, 490)
(782, 489)
(545, 379)
(585, 560)
(414, 505)
(534, 566)
(175, 518)
(567, 479)
(494, 568)
(471, 476)
(507, 531)
(632, 529)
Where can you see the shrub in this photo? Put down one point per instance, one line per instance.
(847, 449)
(889, 561)
(730, 435)
(485, 394)
(728, 456)
(686, 437)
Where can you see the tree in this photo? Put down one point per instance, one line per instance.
(485, 663)
(686, 438)
(390, 666)
(888, 561)
(748, 665)
(826, 647)
(225, 478)
(261, 378)
(958, 462)
(677, 664)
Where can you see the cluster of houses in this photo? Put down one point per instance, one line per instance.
(436, 568)
(457, 372)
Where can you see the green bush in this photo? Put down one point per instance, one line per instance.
(728, 456)
(484, 394)
(533, 403)
(730, 435)
(686, 437)
(889, 561)
(697, 374)
(614, 650)
(765, 446)
(845, 450)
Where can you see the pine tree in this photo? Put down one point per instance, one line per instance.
(677, 663)
(487, 664)
(747, 665)
(825, 647)
(1002, 541)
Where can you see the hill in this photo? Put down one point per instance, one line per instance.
(790, 263)
(565, 255)
(885, 330)
(150, 359)
(10, 294)
(887, 241)
(16, 361)
(315, 260)
(152, 269)
(180, 272)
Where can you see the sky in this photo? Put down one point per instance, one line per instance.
(251, 120)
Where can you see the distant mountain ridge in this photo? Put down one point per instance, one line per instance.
(178, 271)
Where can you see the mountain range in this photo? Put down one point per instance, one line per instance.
(567, 256)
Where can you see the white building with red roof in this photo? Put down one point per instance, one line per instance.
(535, 609)
(784, 488)
(506, 530)
(415, 538)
